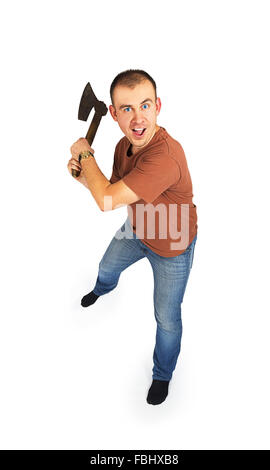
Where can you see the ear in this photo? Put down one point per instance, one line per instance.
(158, 106)
(113, 112)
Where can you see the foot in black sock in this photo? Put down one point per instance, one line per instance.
(157, 392)
(89, 299)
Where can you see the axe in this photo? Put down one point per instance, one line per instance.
(88, 101)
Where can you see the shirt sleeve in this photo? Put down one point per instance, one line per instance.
(152, 176)
(115, 174)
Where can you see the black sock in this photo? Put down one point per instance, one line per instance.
(157, 392)
(89, 299)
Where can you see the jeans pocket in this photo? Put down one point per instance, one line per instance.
(125, 231)
(119, 233)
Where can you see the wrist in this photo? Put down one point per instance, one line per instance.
(85, 155)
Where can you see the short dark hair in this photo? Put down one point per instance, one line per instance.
(131, 78)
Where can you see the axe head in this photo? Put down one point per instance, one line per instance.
(89, 101)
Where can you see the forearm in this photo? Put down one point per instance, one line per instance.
(96, 181)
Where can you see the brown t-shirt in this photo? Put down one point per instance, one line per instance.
(159, 175)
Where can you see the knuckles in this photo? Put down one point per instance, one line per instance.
(76, 149)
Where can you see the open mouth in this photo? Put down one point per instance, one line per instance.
(139, 131)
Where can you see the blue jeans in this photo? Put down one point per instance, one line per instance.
(170, 279)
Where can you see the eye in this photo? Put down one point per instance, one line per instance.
(127, 108)
(146, 105)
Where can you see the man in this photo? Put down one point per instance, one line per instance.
(150, 175)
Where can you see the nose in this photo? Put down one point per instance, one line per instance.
(138, 117)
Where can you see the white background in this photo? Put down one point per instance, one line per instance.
(74, 378)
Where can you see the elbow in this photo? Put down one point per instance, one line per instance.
(106, 204)
(105, 208)
(102, 206)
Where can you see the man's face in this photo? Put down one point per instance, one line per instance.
(136, 108)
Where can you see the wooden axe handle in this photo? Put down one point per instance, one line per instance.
(90, 136)
(93, 128)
